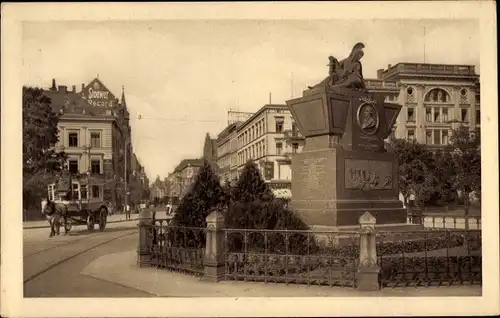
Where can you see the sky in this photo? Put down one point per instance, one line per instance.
(182, 76)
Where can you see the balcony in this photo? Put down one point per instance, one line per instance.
(292, 135)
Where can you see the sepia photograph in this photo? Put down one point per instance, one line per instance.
(220, 160)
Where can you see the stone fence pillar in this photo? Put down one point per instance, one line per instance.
(143, 257)
(213, 261)
(368, 269)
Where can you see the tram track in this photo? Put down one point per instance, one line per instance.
(53, 247)
(35, 271)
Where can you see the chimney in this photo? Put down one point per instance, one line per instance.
(73, 89)
(389, 66)
(380, 73)
(83, 86)
(53, 88)
(63, 89)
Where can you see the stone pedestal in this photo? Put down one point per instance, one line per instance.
(213, 262)
(368, 270)
(344, 169)
(143, 257)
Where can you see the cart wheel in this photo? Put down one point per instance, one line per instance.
(103, 219)
(90, 222)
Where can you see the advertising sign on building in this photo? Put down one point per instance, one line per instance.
(96, 94)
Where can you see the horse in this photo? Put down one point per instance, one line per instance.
(57, 215)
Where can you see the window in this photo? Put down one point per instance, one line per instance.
(295, 148)
(445, 114)
(295, 131)
(436, 115)
(95, 139)
(411, 114)
(279, 124)
(437, 137)
(478, 116)
(428, 137)
(50, 193)
(73, 139)
(95, 166)
(95, 191)
(279, 148)
(409, 90)
(263, 149)
(428, 114)
(73, 166)
(444, 138)
(411, 134)
(464, 115)
(74, 191)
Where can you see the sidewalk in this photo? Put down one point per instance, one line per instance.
(115, 218)
(120, 268)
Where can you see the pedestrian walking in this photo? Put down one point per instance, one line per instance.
(127, 212)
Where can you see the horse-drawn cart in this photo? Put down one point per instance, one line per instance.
(85, 204)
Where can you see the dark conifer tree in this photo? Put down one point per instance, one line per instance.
(205, 194)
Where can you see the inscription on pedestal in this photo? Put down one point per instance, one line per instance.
(312, 170)
(368, 174)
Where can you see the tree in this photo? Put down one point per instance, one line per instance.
(253, 206)
(205, 194)
(443, 171)
(415, 170)
(465, 146)
(250, 186)
(40, 134)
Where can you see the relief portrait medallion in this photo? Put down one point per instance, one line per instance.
(368, 118)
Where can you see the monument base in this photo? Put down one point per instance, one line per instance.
(326, 190)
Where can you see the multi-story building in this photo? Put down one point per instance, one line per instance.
(270, 138)
(227, 155)
(94, 131)
(184, 176)
(435, 98)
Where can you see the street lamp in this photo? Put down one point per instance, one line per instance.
(127, 145)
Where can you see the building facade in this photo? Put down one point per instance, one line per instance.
(94, 131)
(227, 153)
(435, 99)
(270, 138)
(184, 176)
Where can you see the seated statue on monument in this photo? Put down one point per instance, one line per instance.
(347, 73)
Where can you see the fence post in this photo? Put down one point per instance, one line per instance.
(213, 262)
(143, 257)
(368, 269)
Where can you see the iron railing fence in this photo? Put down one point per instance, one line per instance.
(429, 257)
(424, 257)
(445, 221)
(292, 257)
(176, 248)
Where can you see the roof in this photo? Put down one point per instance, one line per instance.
(260, 111)
(228, 130)
(189, 162)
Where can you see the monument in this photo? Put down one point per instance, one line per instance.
(344, 169)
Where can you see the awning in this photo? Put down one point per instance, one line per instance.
(282, 193)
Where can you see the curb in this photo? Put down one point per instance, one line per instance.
(46, 226)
